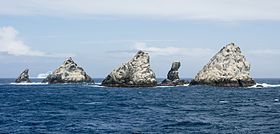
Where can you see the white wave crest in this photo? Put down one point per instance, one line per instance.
(265, 85)
(94, 85)
(223, 101)
(32, 83)
(164, 86)
(98, 84)
(93, 103)
(185, 85)
(43, 75)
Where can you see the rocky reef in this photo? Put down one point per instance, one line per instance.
(228, 68)
(68, 72)
(23, 77)
(134, 73)
(173, 76)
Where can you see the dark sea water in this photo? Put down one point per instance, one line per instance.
(86, 108)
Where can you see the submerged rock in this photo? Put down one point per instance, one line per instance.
(259, 86)
(135, 73)
(228, 68)
(68, 72)
(173, 76)
(23, 77)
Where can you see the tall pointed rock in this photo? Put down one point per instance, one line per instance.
(23, 77)
(68, 72)
(228, 68)
(173, 76)
(135, 73)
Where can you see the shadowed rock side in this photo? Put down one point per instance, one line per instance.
(135, 73)
(68, 72)
(228, 68)
(173, 76)
(23, 77)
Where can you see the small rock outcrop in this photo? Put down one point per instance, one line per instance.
(68, 72)
(23, 77)
(228, 68)
(135, 73)
(173, 76)
(259, 86)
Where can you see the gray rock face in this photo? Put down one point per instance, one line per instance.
(68, 72)
(135, 73)
(228, 68)
(173, 76)
(23, 77)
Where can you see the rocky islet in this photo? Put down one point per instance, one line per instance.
(173, 78)
(68, 72)
(23, 77)
(228, 68)
(134, 73)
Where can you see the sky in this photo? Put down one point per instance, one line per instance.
(101, 35)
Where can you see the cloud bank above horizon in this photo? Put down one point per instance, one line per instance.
(12, 44)
(214, 10)
(101, 34)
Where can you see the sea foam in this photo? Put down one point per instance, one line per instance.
(32, 83)
(185, 85)
(265, 85)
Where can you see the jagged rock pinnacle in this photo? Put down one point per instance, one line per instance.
(173, 76)
(23, 77)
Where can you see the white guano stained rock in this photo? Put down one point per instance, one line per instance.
(135, 73)
(68, 72)
(228, 68)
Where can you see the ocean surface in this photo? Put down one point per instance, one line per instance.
(90, 108)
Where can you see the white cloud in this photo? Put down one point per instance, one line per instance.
(123, 41)
(11, 44)
(221, 10)
(167, 51)
(265, 52)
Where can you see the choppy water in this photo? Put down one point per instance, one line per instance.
(84, 108)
